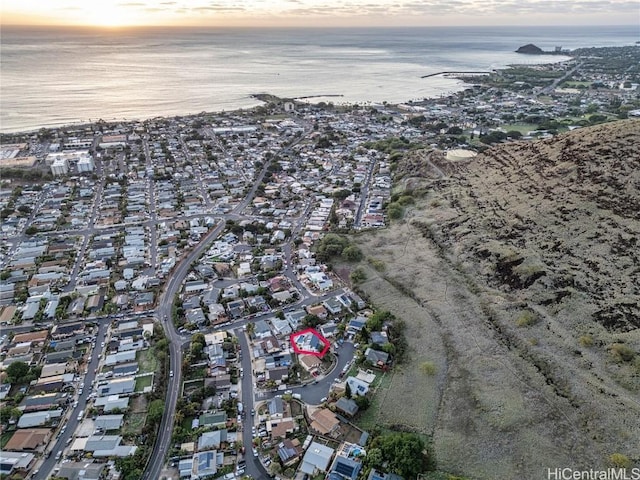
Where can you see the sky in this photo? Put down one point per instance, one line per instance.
(121, 13)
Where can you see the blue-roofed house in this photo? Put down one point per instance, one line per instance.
(288, 452)
(356, 324)
(261, 329)
(276, 407)
(379, 338)
(344, 468)
(206, 463)
(212, 439)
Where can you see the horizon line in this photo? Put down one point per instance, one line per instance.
(123, 27)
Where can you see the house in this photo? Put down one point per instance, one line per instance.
(379, 338)
(276, 407)
(309, 362)
(215, 338)
(32, 439)
(120, 357)
(53, 369)
(347, 406)
(37, 419)
(47, 401)
(294, 318)
(320, 281)
(328, 330)
(316, 459)
(270, 345)
(195, 316)
(261, 329)
(280, 326)
(325, 422)
(278, 374)
(376, 358)
(344, 468)
(357, 386)
(15, 462)
(359, 302)
(333, 306)
(185, 467)
(216, 419)
(195, 286)
(34, 338)
(4, 390)
(206, 464)
(356, 324)
(108, 422)
(84, 470)
(220, 382)
(104, 446)
(317, 310)
(279, 428)
(213, 439)
(112, 402)
(289, 451)
(117, 387)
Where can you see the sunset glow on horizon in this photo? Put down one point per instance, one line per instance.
(123, 13)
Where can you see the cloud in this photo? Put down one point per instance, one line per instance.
(363, 8)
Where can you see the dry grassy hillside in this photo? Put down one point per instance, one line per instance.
(521, 278)
(555, 219)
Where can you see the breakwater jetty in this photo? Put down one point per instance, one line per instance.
(448, 72)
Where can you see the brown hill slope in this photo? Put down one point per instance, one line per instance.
(520, 270)
(555, 219)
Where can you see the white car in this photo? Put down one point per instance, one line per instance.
(255, 452)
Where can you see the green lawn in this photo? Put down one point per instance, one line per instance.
(368, 419)
(143, 382)
(5, 437)
(147, 362)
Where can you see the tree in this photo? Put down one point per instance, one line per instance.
(357, 276)
(347, 390)
(311, 321)
(394, 211)
(362, 402)
(251, 327)
(352, 254)
(403, 452)
(17, 372)
(156, 409)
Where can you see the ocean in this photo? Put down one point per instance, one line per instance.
(53, 76)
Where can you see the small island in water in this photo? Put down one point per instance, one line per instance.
(531, 49)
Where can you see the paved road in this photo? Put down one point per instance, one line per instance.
(72, 423)
(254, 467)
(176, 343)
(314, 392)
